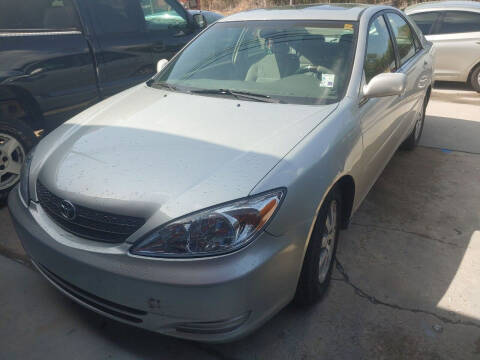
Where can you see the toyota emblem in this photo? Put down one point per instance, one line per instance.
(68, 210)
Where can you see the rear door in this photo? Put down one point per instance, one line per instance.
(457, 44)
(125, 57)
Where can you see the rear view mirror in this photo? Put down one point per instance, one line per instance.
(200, 20)
(386, 84)
(161, 64)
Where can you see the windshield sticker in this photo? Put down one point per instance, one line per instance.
(327, 80)
(348, 26)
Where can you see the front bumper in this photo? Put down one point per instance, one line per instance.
(208, 299)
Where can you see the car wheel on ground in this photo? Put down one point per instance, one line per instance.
(16, 140)
(414, 138)
(319, 258)
(475, 79)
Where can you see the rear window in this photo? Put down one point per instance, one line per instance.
(459, 22)
(40, 15)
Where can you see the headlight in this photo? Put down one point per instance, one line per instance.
(213, 231)
(24, 177)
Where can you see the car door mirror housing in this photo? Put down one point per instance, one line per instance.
(200, 21)
(386, 84)
(161, 64)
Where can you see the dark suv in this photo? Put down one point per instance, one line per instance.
(58, 57)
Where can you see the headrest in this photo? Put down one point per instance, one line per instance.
(346, 38)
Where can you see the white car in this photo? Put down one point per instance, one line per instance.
(454, 29)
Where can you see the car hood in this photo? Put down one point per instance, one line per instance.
(148, 151)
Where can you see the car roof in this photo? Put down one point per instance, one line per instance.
(341, 12)
(444, 5)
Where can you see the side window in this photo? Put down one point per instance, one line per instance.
(117, 16)
(425, 21)
(459, 22)
(403, 36)
(380, 56)
(41, 15)
(160, 15)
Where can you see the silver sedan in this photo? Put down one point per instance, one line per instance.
(454, 29)
(202, 202)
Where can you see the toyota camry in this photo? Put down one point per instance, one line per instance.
(202, 202)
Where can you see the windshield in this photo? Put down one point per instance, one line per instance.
(301, 62)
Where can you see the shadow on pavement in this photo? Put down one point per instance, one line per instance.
(451, 134)
(450, 85)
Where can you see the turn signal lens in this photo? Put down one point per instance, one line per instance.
(214, 231)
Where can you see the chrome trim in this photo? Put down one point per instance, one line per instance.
(40, 33)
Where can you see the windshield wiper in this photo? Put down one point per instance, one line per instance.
(165, 85)
(238, 95)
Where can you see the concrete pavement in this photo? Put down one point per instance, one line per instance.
(406, 281)
(453, 120)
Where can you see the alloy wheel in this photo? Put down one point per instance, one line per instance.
(328, 242)
(12, 156)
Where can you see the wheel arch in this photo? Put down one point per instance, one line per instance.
(472, 70)
(346, 184)
(27, 103)
(429, 92)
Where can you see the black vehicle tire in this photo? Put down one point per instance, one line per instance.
(315, 277)
(22, 139)
(413, 139)
(475, 79)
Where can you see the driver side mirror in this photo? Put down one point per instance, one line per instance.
(200, 21)
(385, 84)
(161, 64)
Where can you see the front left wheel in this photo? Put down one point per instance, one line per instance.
(16, 140)
(320, 255)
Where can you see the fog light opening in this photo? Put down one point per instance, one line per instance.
(213, 327)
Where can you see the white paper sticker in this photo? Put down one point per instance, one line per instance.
(327, 80)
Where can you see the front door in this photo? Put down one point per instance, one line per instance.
(168, 28)
(125, 57)
(414, 64)
(377, 115)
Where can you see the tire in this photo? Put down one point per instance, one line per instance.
(413, 139)
(315, 278)
(16, 140)
(475, 79)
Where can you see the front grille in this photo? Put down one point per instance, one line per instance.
(88, 223)
(106, 306)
